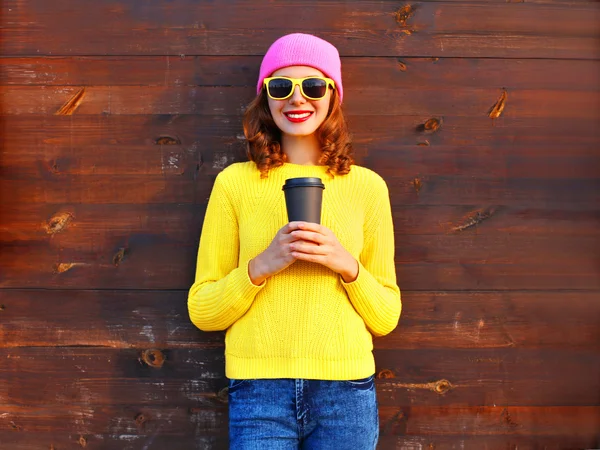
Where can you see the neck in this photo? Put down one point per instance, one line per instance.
(304, 150)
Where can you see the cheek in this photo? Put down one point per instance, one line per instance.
(272, 107)
(323, 109)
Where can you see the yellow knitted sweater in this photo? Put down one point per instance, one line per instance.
(304, 322)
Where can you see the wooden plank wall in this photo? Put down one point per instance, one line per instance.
(118, 115)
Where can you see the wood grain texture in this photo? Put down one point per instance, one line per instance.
(500, 421)
(444, 262)
(124, 378)
(24, 441)
(225, 134)
(434, 320)
(374, 100)
(359, 72)
(554, 200)
(497, 220)
(367, 27)
(75, 223)
(407, 189)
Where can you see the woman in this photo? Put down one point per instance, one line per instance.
(300, 301)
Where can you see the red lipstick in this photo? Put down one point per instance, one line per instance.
(298, 116)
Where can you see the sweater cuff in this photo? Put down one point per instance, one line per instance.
(247, 287)
(362, 290)
(245, 291)
(246, 266)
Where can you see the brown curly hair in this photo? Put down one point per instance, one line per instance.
(264, 138)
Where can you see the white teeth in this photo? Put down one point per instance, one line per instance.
(298, 116)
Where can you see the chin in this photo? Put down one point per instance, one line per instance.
(299, 133)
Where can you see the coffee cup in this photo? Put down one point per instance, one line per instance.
(303, 199)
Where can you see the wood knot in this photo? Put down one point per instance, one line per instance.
(402, 66)
(442, 386)
(82, 441)
(2, 307)
(167, 140)
(403, 14)
(417, 184)
(140, 419)
(396, 425)
(430, 126)
(58, 222)
(120, 256)
(498, 107)
(474, 218)
(72, 104)
(153, 358)
(63, 267)
(385, 373)
(507, 418)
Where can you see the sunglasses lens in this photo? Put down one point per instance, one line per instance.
(314, 87)
(279, 87)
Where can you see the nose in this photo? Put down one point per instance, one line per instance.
(297, 97)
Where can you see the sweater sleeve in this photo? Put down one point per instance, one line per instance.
(222, 291)
(375, 294)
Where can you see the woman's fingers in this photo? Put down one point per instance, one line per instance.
(309, 236)
(291, 226)
(308, 226)
(307, 247)
(320, 259)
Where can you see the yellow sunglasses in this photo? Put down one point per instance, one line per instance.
(313, 88)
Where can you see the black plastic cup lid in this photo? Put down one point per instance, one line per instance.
(303, 182)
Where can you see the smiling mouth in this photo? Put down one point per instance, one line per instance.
(298, 116)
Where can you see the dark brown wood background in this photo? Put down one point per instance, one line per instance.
(117, 116)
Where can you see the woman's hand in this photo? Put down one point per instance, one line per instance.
(316, 243)
(276, 257)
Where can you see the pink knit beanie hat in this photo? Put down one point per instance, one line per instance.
(299, 49)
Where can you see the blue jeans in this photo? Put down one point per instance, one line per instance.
(276, 414)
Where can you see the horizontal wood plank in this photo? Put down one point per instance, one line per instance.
(183, 222)
(410, 189)
(25, 441)
(360, 28)
(468, 442)
(224, 134)
(424, 262)
(106, 377)
(97, 441)
(465, 276)
(90, 419)
(358, 72)
(387, 159)
(580, 422)
(124, 319)
(374, 100)
(555, 422)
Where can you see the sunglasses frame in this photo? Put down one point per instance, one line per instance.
(298, 82)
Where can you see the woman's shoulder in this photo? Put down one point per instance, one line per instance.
(236, 178)
(367, 177)
(238, 170)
